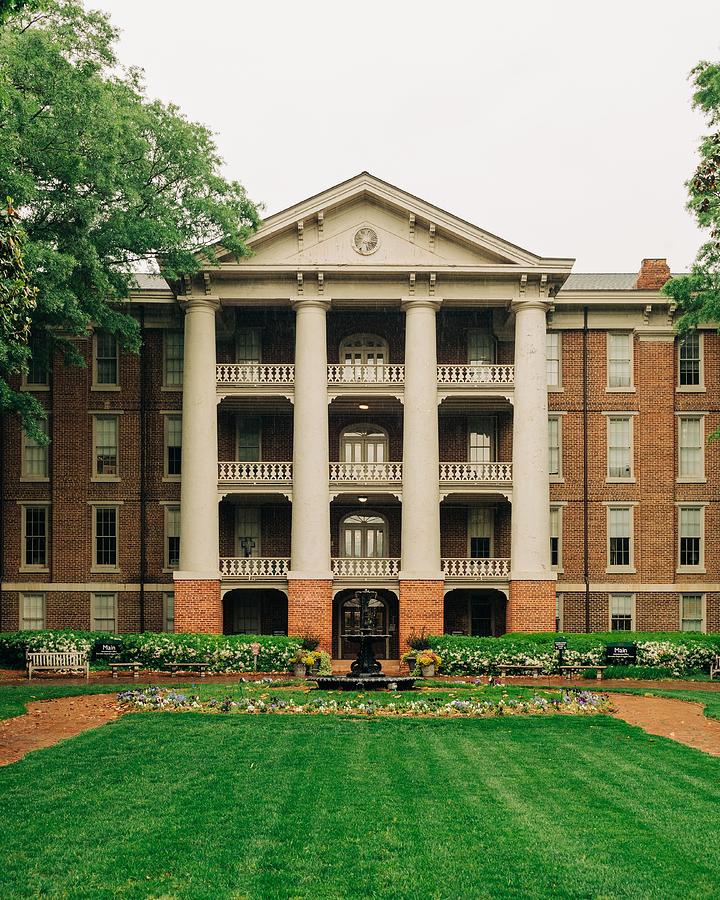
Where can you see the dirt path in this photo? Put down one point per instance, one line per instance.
(50, 721)
(677, 719)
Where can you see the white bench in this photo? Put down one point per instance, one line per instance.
(52, 661)
(715, 667)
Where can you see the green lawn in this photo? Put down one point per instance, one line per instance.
(205, 806)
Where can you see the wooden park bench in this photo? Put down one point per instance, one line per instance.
(133, 667)
(715, 667)
(582, 667)
(176, 667)
(54, 661)
(519, 667)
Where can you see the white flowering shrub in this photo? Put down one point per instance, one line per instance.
(223, 653)
(682, 653)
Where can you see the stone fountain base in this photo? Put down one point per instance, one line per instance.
(365, 682)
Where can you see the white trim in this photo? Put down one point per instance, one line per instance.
(167, 477)
(702, 477)
(703, 610)
(560, 610)
(94, 476)
(700, 568)
(621, 389)
(557, 478)
(24, 446)
(96, 386)
(559, 507)
(21, 609)
(166, 602)
(96, 567)
(94, 617)
(24, 506)
(633, 609)
(616, 479)
(691, 388)
(167, 507)
(165, 386)
(556, 388)
(630, 567)
(470, 510)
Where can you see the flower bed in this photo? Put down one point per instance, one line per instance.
(574, 703)
(223, 653)
(678, 653)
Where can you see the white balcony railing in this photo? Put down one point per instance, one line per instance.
(366, 473)
(470, 375)
(254, 567)
(474, 473)
(476, 568)
(255, 472)
(347, 373)
(346, 567)
(255, 373)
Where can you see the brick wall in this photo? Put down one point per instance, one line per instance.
(532, 606)
(310, 610)
(420, 609)
(198, 608)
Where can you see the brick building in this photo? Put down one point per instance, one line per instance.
(381, 395)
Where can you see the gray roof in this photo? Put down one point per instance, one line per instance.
(145, 281)
(601, 281)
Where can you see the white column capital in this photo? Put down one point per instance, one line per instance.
(531, 303)
(411, 303)
(300, 303)
(199, 304)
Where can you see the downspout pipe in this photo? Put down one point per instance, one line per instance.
(586, 553)
(143, 468)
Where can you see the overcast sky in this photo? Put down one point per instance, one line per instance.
(564, 127)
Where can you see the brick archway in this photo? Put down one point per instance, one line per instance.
(479, 612)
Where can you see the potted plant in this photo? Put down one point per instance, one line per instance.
(300, 663)
(416, 643)
(428, 661)
(309, 644)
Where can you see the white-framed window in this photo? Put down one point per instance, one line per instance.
(106, 366)
(620, 538)
(35, 536)
(248, 345)
(619, 361)
(690, 362)
(249, 439)
(553, 356)
(105, 443)
(35, 457)
(622, 612)
(105, 537)
(481, 347)
(620, 448)
(692, 612)
(247, 531)
(364, 350)
(37, 377)
(556, 537)
(364, 535)
(691, 448)
(32, 611)
(173, 359)
(481, 529)
(103, 611)
(555, 447)
(173, 445)
(168, 611)
(559, 612)
(172, 537)
(482, 439)
(691, 538)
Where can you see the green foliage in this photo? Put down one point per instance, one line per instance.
(224, 653)
(679, 652)
(106, 180)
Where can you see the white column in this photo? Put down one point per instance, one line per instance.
(199, 538)
(310, 543)
(530, 539)
(421, 491)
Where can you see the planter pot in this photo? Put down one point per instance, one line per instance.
(428, 671)
(410, 662)
(299, 670)
(315, 668)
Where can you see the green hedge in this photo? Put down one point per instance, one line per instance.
(682, 653)
(224, 653)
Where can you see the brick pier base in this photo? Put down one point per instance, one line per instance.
(310, 610)
(421, 609)
(531, 606)
(198, 607)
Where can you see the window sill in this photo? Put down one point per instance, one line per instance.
(691, 389)
(690, 570)
(104, 570)
(168, 389)
(557, 479)
(35, 387)
(35, 570)
(620, 390)
(690, 480)
(106, 479)
(105, 387)
(168, 570)
(556, 389)
(172, 479)
(34, 479)
(620, 481)
(621, 570)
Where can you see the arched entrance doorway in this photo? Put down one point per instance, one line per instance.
(253, 611)
(476, 612)
(346, 620)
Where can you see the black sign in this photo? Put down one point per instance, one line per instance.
(107, 648)
(621, 654)
(561, 644)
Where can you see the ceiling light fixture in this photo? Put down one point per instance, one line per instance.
(363, 406)
(362, 499)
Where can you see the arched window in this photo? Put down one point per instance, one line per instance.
(364, 350)
(363, 536)
(363, 443)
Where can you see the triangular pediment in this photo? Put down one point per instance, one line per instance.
(322, 231)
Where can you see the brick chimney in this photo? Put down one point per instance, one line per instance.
(652, 275)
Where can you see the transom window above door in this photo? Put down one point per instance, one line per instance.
(363, 443)
(363, 536)
(364, 350)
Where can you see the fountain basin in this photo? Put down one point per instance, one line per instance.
(365, 682)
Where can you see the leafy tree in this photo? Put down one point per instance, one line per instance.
(106, 180)
(698, 293)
